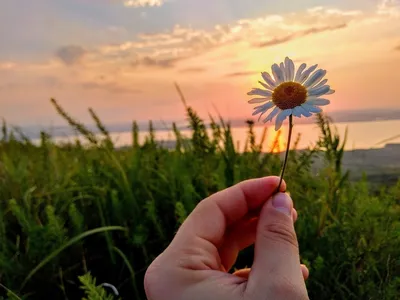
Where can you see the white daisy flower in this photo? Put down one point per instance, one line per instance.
(289, 92)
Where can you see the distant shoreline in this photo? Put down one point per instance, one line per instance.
(65, 131)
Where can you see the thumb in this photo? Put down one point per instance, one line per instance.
(276, 270)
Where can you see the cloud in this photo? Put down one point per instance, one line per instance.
(284, 39)
(276, 41)
(181, 39)
(315, 30)
(193, 70)
(166, 49)
(153, 63)
(143, 3)
(71, 54)
(240, 74)
(320, 10)
(389, 8)
(109, 87)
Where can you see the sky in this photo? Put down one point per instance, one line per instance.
(122, 58)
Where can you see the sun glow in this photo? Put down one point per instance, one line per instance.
(277, 140)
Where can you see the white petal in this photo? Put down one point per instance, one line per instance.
(263, 108)
(283, 68)
(281, 117)
(318, 101)
(330, 92)
(259, 118)
(266, 86)
(287, 71)
(272, 114)
(299, 72)
(307, 73)
(278, 74)
(315, 78)
(319, 84)
(258, 100)
(289, 65)
(296, 112)
(319, 91)
(260, 92)
(310, 90)
(268, 79)
(311, 108)
(303, 111)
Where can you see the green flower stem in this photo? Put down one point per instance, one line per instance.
(287, 152)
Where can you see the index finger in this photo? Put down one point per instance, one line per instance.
(210, 219)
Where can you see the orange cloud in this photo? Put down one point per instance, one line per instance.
(240, 74)
(289, 37)
(165, 50)
(193, 70)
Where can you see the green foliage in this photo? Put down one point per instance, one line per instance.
(92, 209)
(93, 291)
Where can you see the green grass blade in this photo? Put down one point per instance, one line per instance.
(11, 292)
(129, 266)
(66, 245)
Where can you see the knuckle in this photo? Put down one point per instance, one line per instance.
(203, 205)
(280, 233)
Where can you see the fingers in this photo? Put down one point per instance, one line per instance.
(209, 220)
(294, 215)
(305, 272)
(244, 273)
(276, 257)
(240, 236)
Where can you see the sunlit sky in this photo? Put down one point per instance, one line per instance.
(122, 57)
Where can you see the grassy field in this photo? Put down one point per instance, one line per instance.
(73, 217)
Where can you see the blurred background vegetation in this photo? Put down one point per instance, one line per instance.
(75, 216)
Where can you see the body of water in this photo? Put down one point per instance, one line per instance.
(361, 135)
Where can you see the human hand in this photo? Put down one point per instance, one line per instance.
(206, 246)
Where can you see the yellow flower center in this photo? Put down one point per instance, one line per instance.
(288, 95)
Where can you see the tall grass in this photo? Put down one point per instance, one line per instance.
(75, 216)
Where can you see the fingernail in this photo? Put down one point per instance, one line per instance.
(283, 203)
